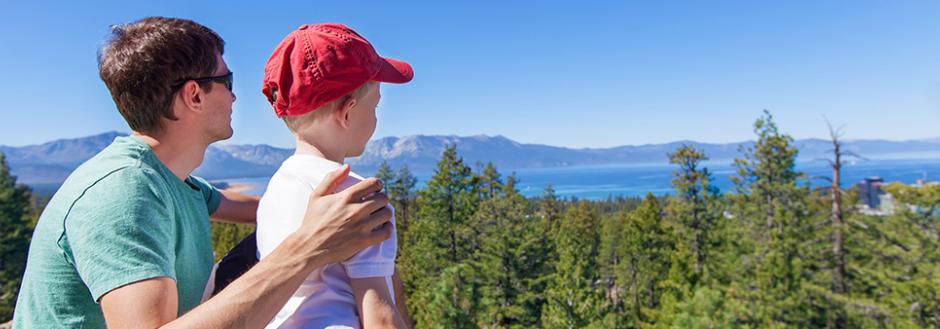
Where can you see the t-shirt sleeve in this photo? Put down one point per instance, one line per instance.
(119, 232)
(211, 194)
(377, 260)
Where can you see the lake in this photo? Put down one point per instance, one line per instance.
(600, 182)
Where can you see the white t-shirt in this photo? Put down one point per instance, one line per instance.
(325, 299)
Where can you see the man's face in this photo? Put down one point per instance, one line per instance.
(362, 119)
(218, 107)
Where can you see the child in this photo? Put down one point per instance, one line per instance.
(323, 81)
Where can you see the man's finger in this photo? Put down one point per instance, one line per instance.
(379, 235)
(331, 182)
(376, 220)
(374, 203)
(364, 188)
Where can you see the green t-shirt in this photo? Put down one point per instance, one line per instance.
(121, 217)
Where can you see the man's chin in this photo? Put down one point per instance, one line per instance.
(224, 136)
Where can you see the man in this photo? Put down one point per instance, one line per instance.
(125, 241)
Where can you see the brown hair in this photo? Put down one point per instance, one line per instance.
(144, 63)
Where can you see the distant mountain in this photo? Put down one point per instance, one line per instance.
(51, 162)
(422, 152)
(67, 152)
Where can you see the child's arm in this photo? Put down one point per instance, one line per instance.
(374, 301)
(400, 299)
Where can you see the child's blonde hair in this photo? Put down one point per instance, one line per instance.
(296, 122)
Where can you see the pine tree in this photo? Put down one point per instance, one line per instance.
(549, 209)
(401, 191)
(706, 309)
(774, 207)
(450, 199)
(451, 301)
(386, 175)
(646, 249)
(439, 237)
(573, 298)
(510, 262)
(902, 267)
(692, 215)
(693, 209)
(16, 220)
(490, 182)
(610, 258)
(402, 198)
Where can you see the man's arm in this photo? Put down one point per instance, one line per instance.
(336, 226)
(143, 304)
(236, 208)
(376, 309)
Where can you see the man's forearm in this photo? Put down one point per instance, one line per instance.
(336, 226)
(254, 299)
(237, 208)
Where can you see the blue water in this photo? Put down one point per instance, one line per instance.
(600, 182)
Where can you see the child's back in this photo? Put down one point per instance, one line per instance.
(323, 81)
(326, 297)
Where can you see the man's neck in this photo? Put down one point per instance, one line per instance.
(182, 156)
(335, 154)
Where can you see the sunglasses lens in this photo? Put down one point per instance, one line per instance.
(229, 81)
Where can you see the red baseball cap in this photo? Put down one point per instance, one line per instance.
(319, 63)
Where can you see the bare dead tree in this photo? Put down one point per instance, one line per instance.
(836, 317)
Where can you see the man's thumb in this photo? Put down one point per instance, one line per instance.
(331, 182)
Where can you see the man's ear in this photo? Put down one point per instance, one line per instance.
(345, 107)
(191, 96)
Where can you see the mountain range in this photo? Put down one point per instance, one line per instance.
(50, 163)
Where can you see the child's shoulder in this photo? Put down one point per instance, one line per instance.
(351, 180)
(307, 172)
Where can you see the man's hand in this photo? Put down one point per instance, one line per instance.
(340, 225)
(336, 226)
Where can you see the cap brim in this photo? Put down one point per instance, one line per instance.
(394, 71)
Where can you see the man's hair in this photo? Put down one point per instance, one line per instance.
(144, 63)
(296, 122)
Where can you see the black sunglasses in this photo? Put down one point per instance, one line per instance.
(223, 79)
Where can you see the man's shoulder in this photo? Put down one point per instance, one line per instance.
(121, 163)
(120, 170)
(100, 189)
(117, 195)
(119, 179)
(97, 195)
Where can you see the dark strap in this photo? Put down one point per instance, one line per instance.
(238, 261)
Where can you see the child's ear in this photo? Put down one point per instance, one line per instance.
(344, 109)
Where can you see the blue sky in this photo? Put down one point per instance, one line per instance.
(578, 74)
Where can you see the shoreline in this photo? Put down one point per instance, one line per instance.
(239, 187)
